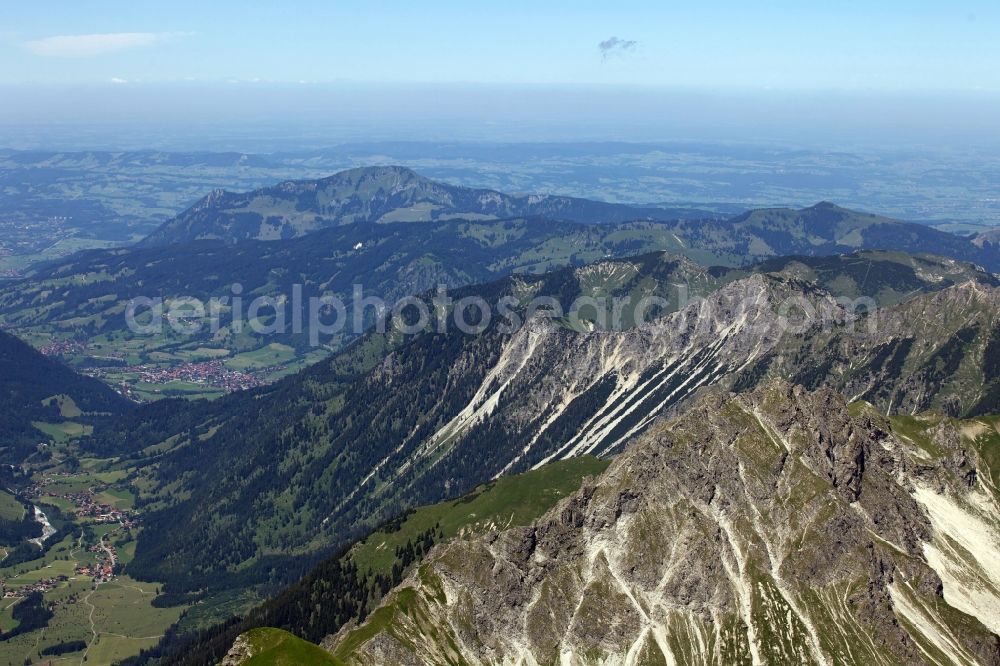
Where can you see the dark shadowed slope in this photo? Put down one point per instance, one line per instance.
(37, 389)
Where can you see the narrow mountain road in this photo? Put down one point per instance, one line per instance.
(86, 600)
(90, 618)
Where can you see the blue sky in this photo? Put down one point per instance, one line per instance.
(847, 45)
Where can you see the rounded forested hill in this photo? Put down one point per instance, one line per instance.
(35, 388)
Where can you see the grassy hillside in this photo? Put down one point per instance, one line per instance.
(267, 646)
(509, 500)
(348, 585)
(10, 508)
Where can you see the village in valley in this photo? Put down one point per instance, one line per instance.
(210, 373)
(70, 583)
(147, 380)
(102, 567)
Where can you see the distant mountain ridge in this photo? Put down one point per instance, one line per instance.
(394, 261)
(825, 229)
(987, 239)
(375, 195)
(389, 261)
(381, 195)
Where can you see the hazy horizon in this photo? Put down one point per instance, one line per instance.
(267, 117)
(186, 75)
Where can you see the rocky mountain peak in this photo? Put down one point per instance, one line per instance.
(211, 199)
(778, 526)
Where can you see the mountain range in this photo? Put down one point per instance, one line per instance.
(776, 526)
(86, 295)
(348, 229)
(800, 529)
(824, 229)
(378, 195)
(390, 194)
(394, 421)
(771, 438)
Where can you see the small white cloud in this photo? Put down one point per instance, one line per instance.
(615, 46)
(115, 79)
(80, 46)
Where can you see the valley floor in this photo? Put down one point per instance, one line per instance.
(99, 615)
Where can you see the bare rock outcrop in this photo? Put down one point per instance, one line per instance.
(775, 526)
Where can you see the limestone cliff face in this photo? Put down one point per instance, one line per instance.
(937, 352)
(771, 527)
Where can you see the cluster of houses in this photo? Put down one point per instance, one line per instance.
(104, 570)
(99, 512)
(94, 512)
(43, 585)
(7, 272)
(87, 506)
(61, 348)
(23, 235)
(214, 373)
(211, 373)
(75, 347)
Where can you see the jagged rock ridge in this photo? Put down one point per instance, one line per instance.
(769, 527)
(939, 352)
(445, 413)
